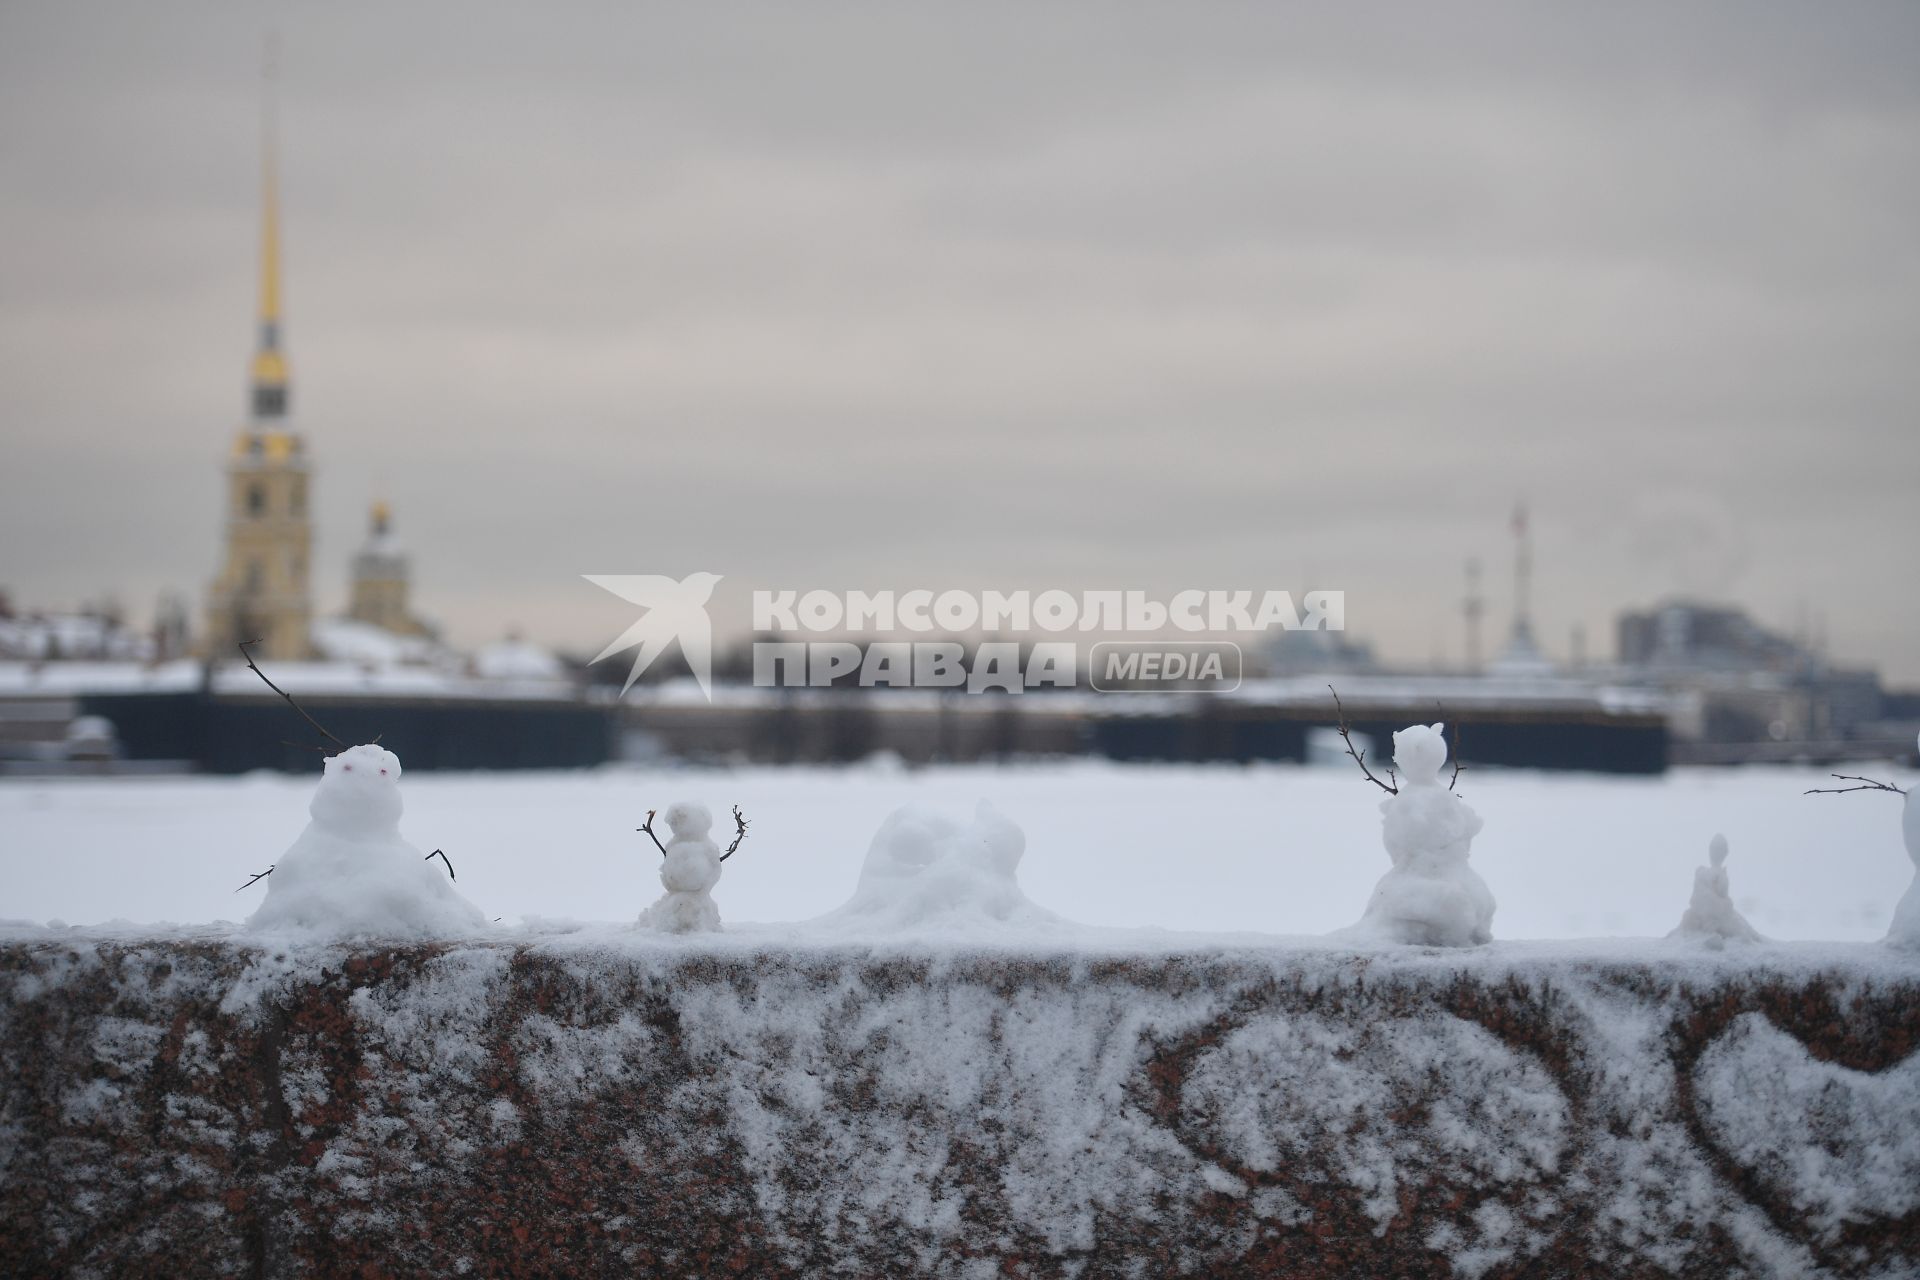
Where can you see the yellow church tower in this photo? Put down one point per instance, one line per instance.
(261, 592)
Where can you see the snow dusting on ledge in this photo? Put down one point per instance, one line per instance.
(573, 1100)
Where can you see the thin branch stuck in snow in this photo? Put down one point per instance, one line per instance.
(289, 697)
(1360, 757)
(1866, 784)
(740, 833)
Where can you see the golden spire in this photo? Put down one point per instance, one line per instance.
(269, 365)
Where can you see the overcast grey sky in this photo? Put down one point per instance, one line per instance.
(969, 295)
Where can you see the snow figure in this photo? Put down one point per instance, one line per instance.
(1430, 896)
(926, 872)
(689, 868)
(1906, 916)
(1710, 916)
(351, 875)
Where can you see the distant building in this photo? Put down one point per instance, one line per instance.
(1738, 686)
(172, 627)
(1523, 658)
(380, 580)
(93, 634)
(1685, 636)
(261, 592)
(1288, 653)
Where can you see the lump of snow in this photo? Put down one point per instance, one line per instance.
(1430, 896)
(927, 872)
(689, 870)
(351, 875)
(1711, 917)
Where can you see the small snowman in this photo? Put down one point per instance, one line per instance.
(1711, 917)
(689, 868)
(350, 874)
(1430, 896)
(1905, 931)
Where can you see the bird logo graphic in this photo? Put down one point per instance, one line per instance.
(674, 611)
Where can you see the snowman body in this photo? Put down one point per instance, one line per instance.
(350, 874)
(1430, 896)
(688, 872)
(1711, 917)
(1906, 916)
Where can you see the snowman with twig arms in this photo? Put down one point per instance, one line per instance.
(1905, 932)
(689, 869)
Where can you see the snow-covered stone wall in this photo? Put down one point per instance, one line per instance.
(573, 1105)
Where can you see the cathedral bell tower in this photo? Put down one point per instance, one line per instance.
(380, 574)
(261, 592)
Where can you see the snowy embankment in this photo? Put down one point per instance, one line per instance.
(944, 1076)
(609, 1101)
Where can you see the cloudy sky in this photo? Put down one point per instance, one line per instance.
(925, 296)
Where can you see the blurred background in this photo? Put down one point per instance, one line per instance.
(1576, 346)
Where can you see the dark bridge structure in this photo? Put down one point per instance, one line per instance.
(236, 734)
(1544, 724)
(227, 722)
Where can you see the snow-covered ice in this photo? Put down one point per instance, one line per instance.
(1430, 896)
(350, 874)
(1273, 849)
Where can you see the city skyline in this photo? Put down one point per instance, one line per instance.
(1250, 322)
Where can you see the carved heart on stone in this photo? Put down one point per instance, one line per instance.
(1839, 1146)
(1429, 1124)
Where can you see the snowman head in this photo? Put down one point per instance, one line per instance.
(910, 839)
(917, 844)
(359, 792)
(1000, 842)
(1419, 751)
(689, 821)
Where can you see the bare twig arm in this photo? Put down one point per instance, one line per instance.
(1360, 757)
(256, 880)
(647, 827)
(289, 697)
(441, 854)
(739, 834)
(1866, 784)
